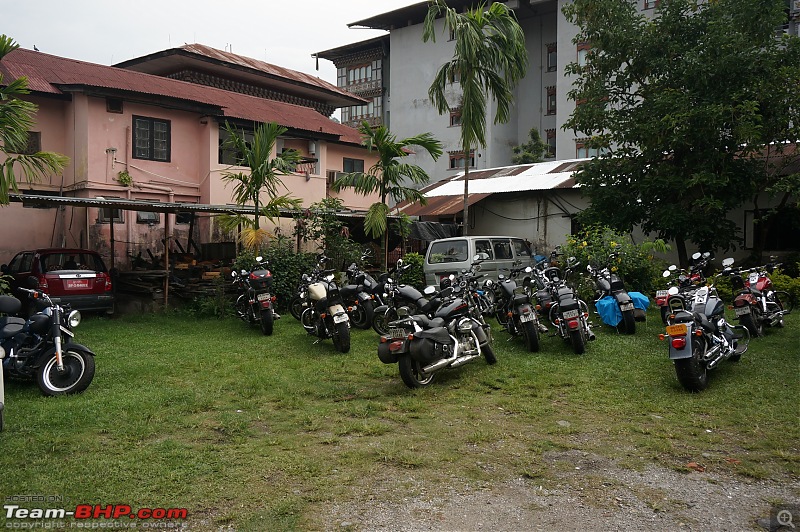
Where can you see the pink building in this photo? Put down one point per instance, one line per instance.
(159, 119)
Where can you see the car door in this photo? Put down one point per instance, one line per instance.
(20, 268)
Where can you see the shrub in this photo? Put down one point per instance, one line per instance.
(414, 276)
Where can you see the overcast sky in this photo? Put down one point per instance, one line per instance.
(281, 32)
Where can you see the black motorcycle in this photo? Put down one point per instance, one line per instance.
(399, 299)
(513, 308)
(615, 305)
(568, 313)
(422, 346)
(357, 296)
(42, 347)
(256, 302)
(325, 315)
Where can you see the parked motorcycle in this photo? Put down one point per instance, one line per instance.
(568, 313)
(685, 280)
(358, 297)
(422, 346)
(756, 304)
(256, 302)
(326, 315)
(42, 347)
(399, 299)
(700, 337)
(613, 302)
(512, 305)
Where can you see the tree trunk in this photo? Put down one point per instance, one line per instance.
(680, 246)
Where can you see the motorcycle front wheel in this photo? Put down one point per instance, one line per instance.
(296, 307)
(267, 322)
(76, 377)
(362, 315)
(380, 322)
(341, 338)
(412, 374)
(692, 372)
(628, 322)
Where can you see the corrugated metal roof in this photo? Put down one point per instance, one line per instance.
(447, 196)
(49, 74)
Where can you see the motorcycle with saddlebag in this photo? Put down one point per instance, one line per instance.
(757, 304)
(256, 303)
(422, 346)
(614, 304)
(513, 307)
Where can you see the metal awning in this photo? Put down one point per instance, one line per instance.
(442, 205)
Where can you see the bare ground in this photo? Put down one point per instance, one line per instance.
(579, 491)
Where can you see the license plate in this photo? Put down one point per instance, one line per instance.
(341, 318)
(569, 314)
(661, 293)
(626, 306)
(677, 330)
(397, 333)
(262, 297)
(524, 318)
(76, 284)
(742, 311)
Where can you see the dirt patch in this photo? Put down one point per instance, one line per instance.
(579, 491)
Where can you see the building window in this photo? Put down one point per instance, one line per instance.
(455, 117)
(150, 218)
(151, 139)
(108, 214)
(651, 4)
(783, 228)
(227, 155)
(359, 74)
(455, 76)
(551, 100)
(583, 150)
(184, 217)
(33, 145)
(114, 105)
(457, 160)
(551, 142)
(341, 77)
(552, 58)
(352, 165)
(583, 52)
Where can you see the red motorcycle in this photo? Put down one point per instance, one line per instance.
(757, 304)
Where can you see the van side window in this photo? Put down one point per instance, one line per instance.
(521, 248)
(484, 246)
(502, 249)
(448, 251)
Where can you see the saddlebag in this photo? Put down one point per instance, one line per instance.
(385, 354)
(426, 351)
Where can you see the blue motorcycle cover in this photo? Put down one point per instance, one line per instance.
(608, 308)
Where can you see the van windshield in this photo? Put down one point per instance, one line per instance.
(448, 251)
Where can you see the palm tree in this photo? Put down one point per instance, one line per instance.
(264, 175)
(387, 175)
(16, 119)
(489, 56)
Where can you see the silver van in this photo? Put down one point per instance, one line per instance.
(451, 255)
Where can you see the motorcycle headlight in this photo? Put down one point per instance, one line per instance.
(2, 355)
(74, 319)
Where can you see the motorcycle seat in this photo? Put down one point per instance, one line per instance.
(349, 291)
(684, 316)
(437, 334)
(10, 326)
(756, 292)
(428, 323)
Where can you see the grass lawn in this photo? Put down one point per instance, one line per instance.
(264, 433)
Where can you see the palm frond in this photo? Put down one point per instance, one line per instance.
(376, 219)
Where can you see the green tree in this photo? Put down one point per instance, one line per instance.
(682, 102)
(489, 58)
(532, 151)
(266, 169)
(16, 119)
(387, 175)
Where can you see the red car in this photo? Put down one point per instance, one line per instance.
(76, 276)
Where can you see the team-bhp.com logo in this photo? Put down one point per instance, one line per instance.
(16, 516)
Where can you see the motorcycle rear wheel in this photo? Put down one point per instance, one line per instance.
(691, 372)
(753, 322)
(531, 334)
(380, 322)
(578, 341)
(362, 315)
(411, 373)
(77, 376)
(341, 338)
(628, 322)
(267, 322)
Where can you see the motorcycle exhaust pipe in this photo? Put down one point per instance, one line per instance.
(463, 360)
(713, 357)
(444, 362)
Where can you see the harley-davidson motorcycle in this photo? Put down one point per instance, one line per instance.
(512, 305)
(357, 295)
(456, 334)
(699, 335)
(614, 304)
(41, 347)
(567, 312)
(326, 316)
(399, 299)
(256, 302)
(756, 303)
